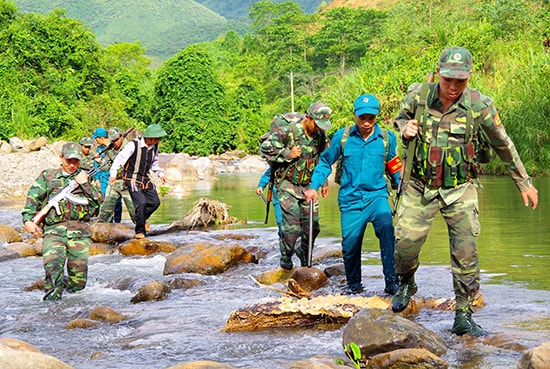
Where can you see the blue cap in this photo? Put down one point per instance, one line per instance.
(100, 132)
(366, 104)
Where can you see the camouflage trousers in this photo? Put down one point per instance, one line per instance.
(295, 221)
(113, 193)
(415, 217)
(58, 249)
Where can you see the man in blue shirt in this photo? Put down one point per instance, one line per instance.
(363, 194)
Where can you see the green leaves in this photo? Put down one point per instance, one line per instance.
(353, 352)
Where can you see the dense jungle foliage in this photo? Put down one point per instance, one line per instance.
(57, 81)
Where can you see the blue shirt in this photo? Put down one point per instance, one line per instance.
(363, 169)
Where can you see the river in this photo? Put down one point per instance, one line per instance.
(514, 257)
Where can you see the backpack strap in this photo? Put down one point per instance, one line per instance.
(345, 136)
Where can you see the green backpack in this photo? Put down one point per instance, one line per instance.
(339, 162)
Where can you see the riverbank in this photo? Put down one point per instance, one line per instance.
(18, 169)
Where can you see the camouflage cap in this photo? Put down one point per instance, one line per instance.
(320, 113)
(86, 141)
(114, 133)
(455, 62)
(71, 150)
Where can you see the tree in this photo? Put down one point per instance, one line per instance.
(190, 104)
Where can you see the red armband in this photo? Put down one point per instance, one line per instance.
(394, 165)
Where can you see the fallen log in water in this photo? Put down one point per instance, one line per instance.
(286, 312)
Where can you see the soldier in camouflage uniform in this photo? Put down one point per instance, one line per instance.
(111, 209)
(67, 234)
(87, 160)
(293, 151)
(456, 122)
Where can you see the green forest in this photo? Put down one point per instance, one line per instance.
(58, 81)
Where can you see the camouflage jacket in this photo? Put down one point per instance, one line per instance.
(72, 216)
(277, 148)
(87, 162)
(448, 129)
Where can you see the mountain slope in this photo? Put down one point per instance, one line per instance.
(164, 27)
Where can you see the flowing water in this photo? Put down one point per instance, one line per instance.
(514, 257)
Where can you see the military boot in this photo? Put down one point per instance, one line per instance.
(286, 262)
(464, 324)
(406, 289)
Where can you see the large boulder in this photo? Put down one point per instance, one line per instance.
(9, 234)
(15, 354)
(112, 232)
(536, 358)
(378, 331)
(206, 259)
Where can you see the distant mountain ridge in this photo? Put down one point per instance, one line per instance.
(163, 27)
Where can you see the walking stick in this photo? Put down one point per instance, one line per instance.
(310, 238)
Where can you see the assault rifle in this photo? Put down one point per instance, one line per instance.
(410, 149)
(65, 193)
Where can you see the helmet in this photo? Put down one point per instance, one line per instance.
(154, 131)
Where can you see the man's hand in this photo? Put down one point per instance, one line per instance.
(311, 195)
(112, 180)
(296, 152)
(324, 192)
(259, 191)
(410, 130)
(163, 180)
(531, 197)
(33, 228)
(81, 177)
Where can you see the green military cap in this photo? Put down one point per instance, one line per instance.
(320, 113)
(114, 133)
(455, 62)
(154, 131)
(71, 150)
(86, 141)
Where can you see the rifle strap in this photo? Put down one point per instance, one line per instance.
(420, 116)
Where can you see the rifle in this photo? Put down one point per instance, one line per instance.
(410, 147)
(65, 193)
(310, 238)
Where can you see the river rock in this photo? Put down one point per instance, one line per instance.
(145, 247)
(273, 276)
(22, 248)
(21, 355)
(101, 248)
(202, 364)
(112, 232)
(377, 331)
(9, 234)
(37, 144)
(106, 313)
(152, 291)
(206, 259)
(17, 145)
(81, 323)
(310, 279)
(408, 358)
(7, 254)
(536, 358)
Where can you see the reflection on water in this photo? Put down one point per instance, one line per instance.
(187, 325)
(513, 242)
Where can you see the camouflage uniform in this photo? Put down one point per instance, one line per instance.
(67, 235)
(292, 180)
(444, 182)
(87, 161)
(115, 192)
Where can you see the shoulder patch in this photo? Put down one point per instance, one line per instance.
(496, 119)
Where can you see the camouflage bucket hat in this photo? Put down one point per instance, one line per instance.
(86, 141)
(320, 113)
(154, 131)
(114, 133)
(455, 62)
(71, 150)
